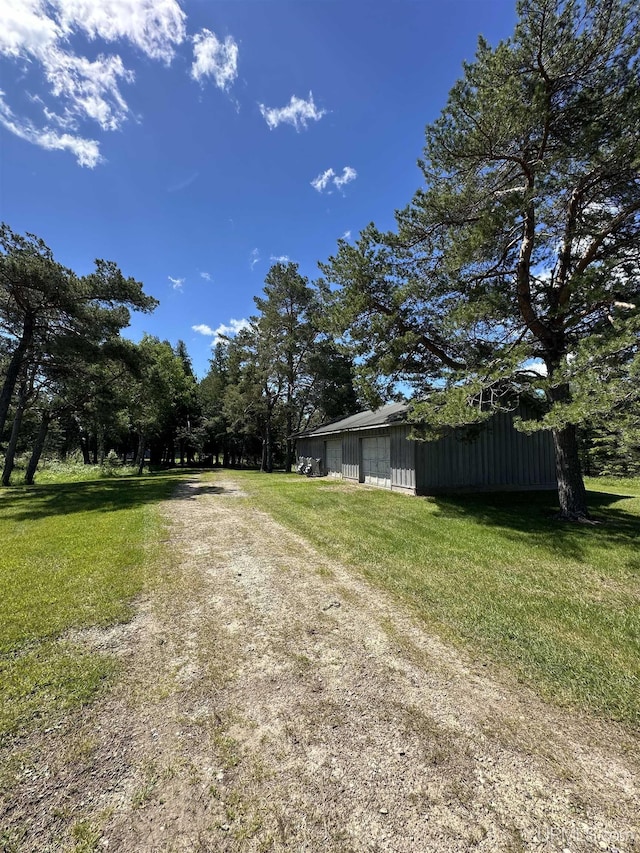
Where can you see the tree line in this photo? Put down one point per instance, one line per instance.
(73, 383)
(282, 374)
(513, 272)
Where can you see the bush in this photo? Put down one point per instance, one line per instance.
(111, 464)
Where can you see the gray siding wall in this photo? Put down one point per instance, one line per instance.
(351, 456)
(499, 457)
(313, 447)
(403, 459)
(403, 454)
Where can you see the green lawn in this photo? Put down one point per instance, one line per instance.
(558, 603)
(73, 555)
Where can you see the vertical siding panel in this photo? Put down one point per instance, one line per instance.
(351, 456)
(533, 448)
(528, 474)
(493, 453)
(486, 438)
(444, 459)
(313, 447)
(412, 446)
(520, 456)
(505, 470)
(402, 458)
(461, 474)
(396, 460)
(511, 474)
(542, 454)
(507, 473)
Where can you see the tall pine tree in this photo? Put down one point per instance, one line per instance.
(515, 269)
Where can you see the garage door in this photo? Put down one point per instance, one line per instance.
(334, 458)
(376, 461)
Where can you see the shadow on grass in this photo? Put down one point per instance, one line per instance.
(28, 503)
(533, 515)
(210, 489)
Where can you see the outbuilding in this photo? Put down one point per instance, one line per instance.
(373, 447)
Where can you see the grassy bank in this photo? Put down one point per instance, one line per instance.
(75, 551)
(558, 603)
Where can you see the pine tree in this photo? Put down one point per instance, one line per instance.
(515, 269)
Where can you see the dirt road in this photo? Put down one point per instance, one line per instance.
(272, 701)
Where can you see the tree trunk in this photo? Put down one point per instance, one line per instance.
(289, 458)
(155, 451)
(84, 447)
(13, 370)
(140, 452)
(38, 447)
(266, 463)
(571, 491)
(100, 445)
(10, 456)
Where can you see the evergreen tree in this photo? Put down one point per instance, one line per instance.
(522, 249)
(287, 331)
(188, 414)
(55, 325)
(211, 397)
(160, 392)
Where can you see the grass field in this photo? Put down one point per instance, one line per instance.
(75, 550)
(558, 603)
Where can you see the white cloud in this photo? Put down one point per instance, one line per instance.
(67, 121)
(86, 151)
(155, 27)
(213, 58)
(348, 174)
(39, 32)
(223, 331)
(320, 183)
(229, 330)
(297, 113)
(328, 179)
(206, 276)
(280, 259)
(89, 89)
(203, 329)
(26, 30)
(346, 235)
(176, 283)
(254, 258)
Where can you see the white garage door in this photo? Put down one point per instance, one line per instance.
(376, 461)
(334, 458)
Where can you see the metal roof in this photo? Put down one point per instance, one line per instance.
(393, 413)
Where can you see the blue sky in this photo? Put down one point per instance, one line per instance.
(193, 143)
